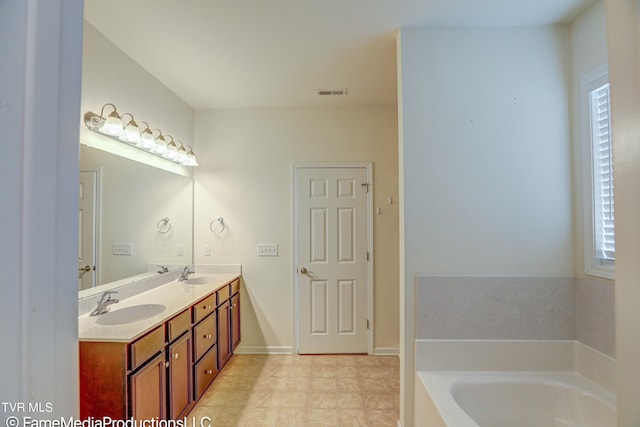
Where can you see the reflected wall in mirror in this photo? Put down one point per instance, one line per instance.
(142, 215)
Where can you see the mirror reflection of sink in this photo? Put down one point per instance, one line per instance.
(130, 314)
(198, 279)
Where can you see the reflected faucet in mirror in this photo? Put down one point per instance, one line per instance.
(104, 303)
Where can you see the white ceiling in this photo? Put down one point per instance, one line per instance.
(264, 53)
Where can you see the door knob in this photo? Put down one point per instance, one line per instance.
(83, 270)
(303, 270)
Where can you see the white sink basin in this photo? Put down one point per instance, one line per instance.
(130, 314)
(199, 279)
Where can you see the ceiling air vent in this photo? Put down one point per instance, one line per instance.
(331, 92)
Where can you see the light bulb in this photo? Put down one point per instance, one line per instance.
(113, 124)
(182, 155)
(191, 159)
(146, 139)
(172, 151)
(131, 132)
(161, 145)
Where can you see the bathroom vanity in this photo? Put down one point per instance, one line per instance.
(154, 355)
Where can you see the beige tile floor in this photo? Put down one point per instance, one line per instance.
(303, 391)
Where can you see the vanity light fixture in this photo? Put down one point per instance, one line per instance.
(131, 133)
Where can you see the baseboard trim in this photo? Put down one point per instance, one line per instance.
(263, 349)
(386, 351)
(267, 349)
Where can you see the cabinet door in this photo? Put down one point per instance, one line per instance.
(235, 321)
(148, 390)
(224, 349)
(180, 380)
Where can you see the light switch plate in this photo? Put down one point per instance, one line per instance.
(267, 249)
(123, 249)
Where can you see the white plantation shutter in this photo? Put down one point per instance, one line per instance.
(603, 215)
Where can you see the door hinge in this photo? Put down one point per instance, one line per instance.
(366, 186)
(367, 323)
(367, 255)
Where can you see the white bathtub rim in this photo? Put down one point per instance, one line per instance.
(440, 384)
(516, 355)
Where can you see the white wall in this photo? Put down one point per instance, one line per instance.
(40, 60)
(623, 26)
(110, 76)
(588, 35)
(486, 153)
(487, 181)
(245, 176)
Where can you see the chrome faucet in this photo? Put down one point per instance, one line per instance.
(104, 303)
(185, 273)
(163, 269)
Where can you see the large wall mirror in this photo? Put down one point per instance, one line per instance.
(134, 219)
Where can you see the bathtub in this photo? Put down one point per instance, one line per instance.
(467, 383)
(523, 399)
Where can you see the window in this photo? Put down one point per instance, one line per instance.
(599, 202)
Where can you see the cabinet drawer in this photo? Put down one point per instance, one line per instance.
(223, 294)
(146, 347)
(178, 325)
(204, 307)
(235, 286)
(204, 336)
(205, 371)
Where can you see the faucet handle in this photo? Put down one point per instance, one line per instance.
(106, 296)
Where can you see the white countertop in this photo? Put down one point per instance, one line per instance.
(175, 296)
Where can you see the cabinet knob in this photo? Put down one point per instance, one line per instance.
(166, 364)
(208, 372)
(176, 355)
(206, 336)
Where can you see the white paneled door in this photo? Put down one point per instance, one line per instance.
(332, 257)
(87, 197)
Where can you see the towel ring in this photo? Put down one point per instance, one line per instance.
(221, 221)
(164, 225)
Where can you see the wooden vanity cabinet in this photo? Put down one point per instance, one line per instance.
(161, 374)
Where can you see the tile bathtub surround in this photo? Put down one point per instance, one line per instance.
(595, 314)
(304, 391)
(495, 308)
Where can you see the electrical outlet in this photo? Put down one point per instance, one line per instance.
(267, 249)
(180, 251)
(123, 249)
(206, 250)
